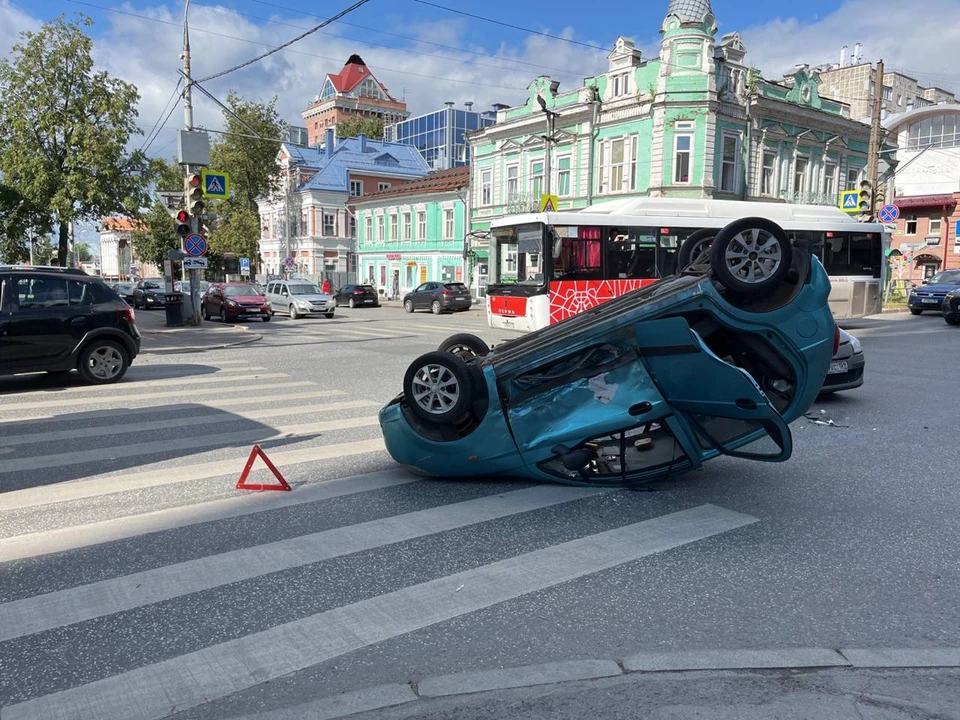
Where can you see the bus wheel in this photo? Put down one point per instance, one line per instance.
(438, 387)
(464, 345)
(751, 256)
(695, 250)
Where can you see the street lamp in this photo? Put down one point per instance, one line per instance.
(549, 139)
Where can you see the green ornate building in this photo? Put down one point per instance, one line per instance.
(696, 121)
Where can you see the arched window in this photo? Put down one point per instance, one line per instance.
(940, 131)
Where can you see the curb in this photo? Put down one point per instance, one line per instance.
(887, 311)
(466, 683)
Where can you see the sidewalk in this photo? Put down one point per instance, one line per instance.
(212, 335)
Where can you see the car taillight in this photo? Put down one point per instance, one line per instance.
(446, 292)
(836, 339)
(130, 315)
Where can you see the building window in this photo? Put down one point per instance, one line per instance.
(381, 235)
(368, 231)
(730, 162)
(536, 178)
(768, 174)
(421, 226)
(329, 224)
(407, 229)
(356, 188)
(853, 178)
(563, 176)
(513, 181)
(394, 235)
(618, 165)
(800, 175)
(383, 186)
(910, 225)
(486, 187)
(936, 225)
(351, 226)
(940, 131)
(682, 148)
(448, 224)
(830, 178)
(621, 84)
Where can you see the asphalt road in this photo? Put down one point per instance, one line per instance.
(137, 582)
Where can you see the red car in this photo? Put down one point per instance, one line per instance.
(234, 301)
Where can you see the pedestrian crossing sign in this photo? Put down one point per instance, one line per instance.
(215, 184)
(850, 201)
(548, 203)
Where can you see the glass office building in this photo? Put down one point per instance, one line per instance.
(439, 135)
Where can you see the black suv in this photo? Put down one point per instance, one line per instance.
(57, 319)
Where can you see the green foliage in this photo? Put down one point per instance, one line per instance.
(82, 252)
(18, 218)
(157, 236)
(167, 176)
(64, 129)
(238, 230)
(354, 125)
(44, 252)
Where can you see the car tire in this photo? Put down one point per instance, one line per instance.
(427, 375)
(464, 346)
(915, 312)
(351, 304)
(205, 311)
(436, 307)
(951, 320)
(695, 248)
(266, 318)
(329, 316)
(223, 315)
(738, 241)
(102, 362)
(294, 314)
(408, 305)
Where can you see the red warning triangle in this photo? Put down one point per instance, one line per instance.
(242, 484)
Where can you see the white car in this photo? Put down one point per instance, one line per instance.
(299, 298)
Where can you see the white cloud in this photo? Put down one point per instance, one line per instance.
(12, 23)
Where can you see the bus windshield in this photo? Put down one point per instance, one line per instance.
(520, 255)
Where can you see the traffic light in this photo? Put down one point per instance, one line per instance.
(183, 223)
(195, 195)
(866, 197)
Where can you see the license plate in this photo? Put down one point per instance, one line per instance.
(368, 301)
(840, 366)
(929, 301)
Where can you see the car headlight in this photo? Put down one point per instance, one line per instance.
(303, 303)
(231, 303)
(855, 344)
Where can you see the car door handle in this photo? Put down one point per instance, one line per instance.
(79, 320)
(746, 404)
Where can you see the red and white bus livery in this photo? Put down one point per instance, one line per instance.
(549, 266)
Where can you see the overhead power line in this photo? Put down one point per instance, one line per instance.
(148, 139)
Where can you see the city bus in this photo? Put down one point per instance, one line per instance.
(545, 267)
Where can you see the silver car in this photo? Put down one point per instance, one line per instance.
(299, 298)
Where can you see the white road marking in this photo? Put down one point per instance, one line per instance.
(156, 691)
(162, 474)
(20, 547)
(57, 609)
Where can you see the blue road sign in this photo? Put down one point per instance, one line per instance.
(215, 184)
(850, 201)
(194, 245)
(888, 213)
(244, 266)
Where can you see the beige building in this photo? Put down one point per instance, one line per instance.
(853, 81)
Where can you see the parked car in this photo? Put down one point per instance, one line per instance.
(357, 295)
(124, 290)
(234, 301)
(650, 384)
(183, 286)
(150, 293)
(846, 366)
(438, 297)
(299, 298)
(57, 320)
(930, 295)
(950, 309)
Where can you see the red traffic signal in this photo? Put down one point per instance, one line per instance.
(183, 216)
(183, 223)
(194, 181)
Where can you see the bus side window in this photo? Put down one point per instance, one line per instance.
(631, 254)
(575, 259)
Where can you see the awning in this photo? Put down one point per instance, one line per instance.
(927, 258)
(914, 201)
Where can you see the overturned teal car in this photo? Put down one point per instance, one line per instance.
(716, 360)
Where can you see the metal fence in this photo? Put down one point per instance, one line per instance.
(336, 279)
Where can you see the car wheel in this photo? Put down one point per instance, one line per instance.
(351, 304)
(408, 305)
(329, 316)
(205, 311)
(266, 318)
(915, 312)
(464, 345)
(438, 387)
(751, 256)
(436, 307)
(695, 250)
(223, 315)
(102, 362)
(294, 315)
(951, 320)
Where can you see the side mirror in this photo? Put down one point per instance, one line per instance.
(925, 282)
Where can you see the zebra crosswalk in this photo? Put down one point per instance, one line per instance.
(137, 583)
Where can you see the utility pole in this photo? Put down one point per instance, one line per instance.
(549, 141)
(873, 152)
(189, 169)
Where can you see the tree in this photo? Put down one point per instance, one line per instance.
(238, 230)
(82, 252)
(167, 176)
(43, 250)
(18, 219)
(64, 129)
(157, 236)
(354, 125)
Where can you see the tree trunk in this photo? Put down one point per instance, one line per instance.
(64, 246)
